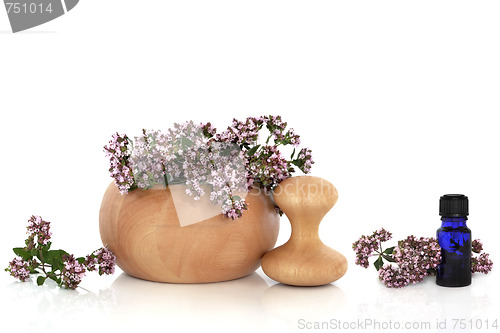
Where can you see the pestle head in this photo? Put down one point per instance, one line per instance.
(305, 193)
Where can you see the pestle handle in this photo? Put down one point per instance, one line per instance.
(305, 200)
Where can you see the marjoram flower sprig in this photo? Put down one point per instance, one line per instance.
(412, 259)
(197, 156)
(36, 258)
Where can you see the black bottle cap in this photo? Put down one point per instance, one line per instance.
(454, 205)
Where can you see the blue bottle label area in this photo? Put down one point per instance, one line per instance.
(454, 269)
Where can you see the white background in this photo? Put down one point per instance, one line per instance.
(398, 101)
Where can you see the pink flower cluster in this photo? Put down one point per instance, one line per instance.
(37, 229)
(228, 176)
(234, 207)
(103, 258)
(393, 277)
(19, 268)
(183, 155)
(270, 167)
(106, 260)
(416, 258)
(481, 263)
(477, 246)
(266, 165)
(366, 246)
(164, 157)
(90, 262)
(277, 127)
(241, 132)
(196, 155)
(305, 161)
(118, 153)
(73, 272)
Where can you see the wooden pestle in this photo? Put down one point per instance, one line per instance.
(304, 260)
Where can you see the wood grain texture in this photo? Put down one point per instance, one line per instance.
(143, 230)
(304, 260)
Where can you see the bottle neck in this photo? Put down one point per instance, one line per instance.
(454, 222)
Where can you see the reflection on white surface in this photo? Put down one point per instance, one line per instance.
(429, 303)
(249, 304)
(189, 305)
(429, 300)
(50, 307)
(291, 303)
(137, 304)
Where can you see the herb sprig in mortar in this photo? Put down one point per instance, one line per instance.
(195, 154)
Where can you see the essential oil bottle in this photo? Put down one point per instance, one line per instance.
(454, 237)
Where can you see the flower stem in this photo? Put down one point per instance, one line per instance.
(43, 263)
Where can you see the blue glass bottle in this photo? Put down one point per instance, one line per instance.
(454, 237)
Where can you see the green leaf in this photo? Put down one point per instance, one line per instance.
(45, 255)
(47, 246)
(58, 265)
(293, 153)
(252, 151)
(389, 250)
(388, 258)
(133, 187)
(55, 259)
(60, 252)
(40, 280)
(80, 260)
(378, 263)
(22, 253)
